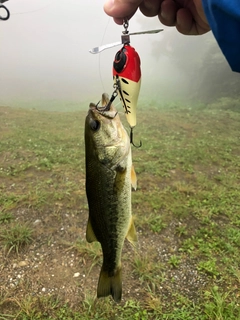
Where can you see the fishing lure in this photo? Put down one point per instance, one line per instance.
(127, 77)
(7, 13)
(126, 74)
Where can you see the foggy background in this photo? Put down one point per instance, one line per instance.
(45, 62)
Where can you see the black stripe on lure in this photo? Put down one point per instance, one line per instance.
(126, 74)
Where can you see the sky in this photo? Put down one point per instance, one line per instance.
(45, 59)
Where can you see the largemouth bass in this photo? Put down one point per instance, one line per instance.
(109, 179)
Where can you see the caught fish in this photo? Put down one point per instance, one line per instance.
(109, 179)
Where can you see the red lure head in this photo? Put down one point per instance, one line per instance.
(127, 63)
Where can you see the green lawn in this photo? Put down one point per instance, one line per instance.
(186, 209)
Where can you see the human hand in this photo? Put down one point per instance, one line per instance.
(187, 15)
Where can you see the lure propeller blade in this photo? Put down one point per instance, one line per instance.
(114, 44)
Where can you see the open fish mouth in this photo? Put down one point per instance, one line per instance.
(105, 108)
(106, 102)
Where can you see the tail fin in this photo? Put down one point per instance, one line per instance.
(110, 285)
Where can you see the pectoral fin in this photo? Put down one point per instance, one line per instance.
(90, 235)
(132, 234)
(133, 178)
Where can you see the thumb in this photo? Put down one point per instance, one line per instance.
(120, 9)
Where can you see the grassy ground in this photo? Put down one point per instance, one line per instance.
(186, 209)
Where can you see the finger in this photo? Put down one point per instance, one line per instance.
(121, 20)
(150, 8)
(120, 9)
(168, 12)
(185, 23)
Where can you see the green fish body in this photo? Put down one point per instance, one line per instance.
(109, 179)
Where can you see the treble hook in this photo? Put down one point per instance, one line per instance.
(108, 105)
(111, 100)
(131, 139)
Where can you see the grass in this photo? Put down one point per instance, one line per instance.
(16, 237)
(5, 217)
(186, 211)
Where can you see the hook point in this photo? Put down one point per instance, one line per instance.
(131, 140)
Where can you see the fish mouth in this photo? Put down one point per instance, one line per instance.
(105, 99)
(106, 108)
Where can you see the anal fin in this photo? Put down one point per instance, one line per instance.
(90, 235)
(132, 234)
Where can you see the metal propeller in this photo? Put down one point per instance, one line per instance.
(125, 39)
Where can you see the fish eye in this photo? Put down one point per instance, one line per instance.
(95, 125)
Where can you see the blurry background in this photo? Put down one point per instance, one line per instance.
(45, 62)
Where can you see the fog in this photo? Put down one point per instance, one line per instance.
(45, 59)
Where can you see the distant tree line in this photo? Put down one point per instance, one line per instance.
(203, 64)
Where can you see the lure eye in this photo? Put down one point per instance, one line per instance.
(120, 60)
(95, 125)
